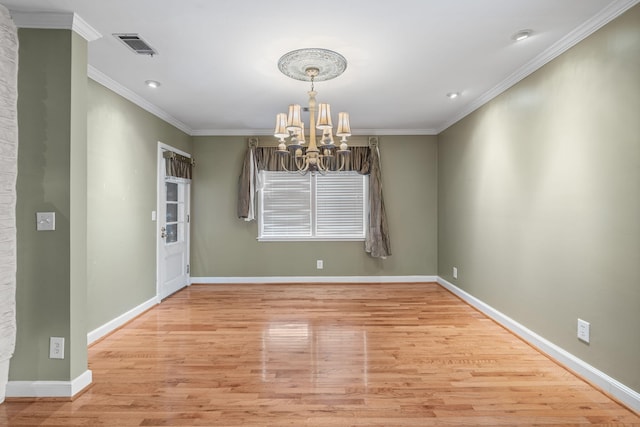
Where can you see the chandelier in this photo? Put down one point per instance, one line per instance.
(312, 65)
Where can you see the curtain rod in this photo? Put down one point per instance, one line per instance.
(175, 156)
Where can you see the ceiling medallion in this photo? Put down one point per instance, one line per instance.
(329, 64)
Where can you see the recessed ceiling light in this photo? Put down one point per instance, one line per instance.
(152, 83)
(521, 35)
(453, 95)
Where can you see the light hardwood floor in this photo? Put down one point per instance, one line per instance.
(320, 355)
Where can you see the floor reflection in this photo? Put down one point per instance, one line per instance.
(320, 354)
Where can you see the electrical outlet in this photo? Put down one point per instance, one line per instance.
(56, 348)
(455, 272)
(319, 264)
(583, 330)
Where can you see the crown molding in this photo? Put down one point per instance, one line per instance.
(269, 132)
(396, 132)
(606, 15)
(133, 97)
(232, 132)
(55, 21)
(74, 22)
(81, 27)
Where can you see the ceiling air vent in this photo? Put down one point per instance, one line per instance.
(136, 44)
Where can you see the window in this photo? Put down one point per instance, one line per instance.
(312, 206)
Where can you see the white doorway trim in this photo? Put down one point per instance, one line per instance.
(160, 179)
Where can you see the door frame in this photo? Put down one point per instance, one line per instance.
(162, 147)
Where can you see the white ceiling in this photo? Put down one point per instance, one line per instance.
(217, 59)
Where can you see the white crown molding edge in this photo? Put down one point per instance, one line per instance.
(610, 385)
(356, 132)
(114, 324)
(589, 27)
(133, 97)
(55, 21)
(75, 22)
(310, 279)
(606, 15)
(397, 132)
(49, 388)
(232, 132)
(81, 27)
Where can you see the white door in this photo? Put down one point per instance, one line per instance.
(173, 232)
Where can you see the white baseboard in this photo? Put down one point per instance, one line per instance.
(4, 375)
(114, 324)
(49, 388)
(610, 385)
(312, 279)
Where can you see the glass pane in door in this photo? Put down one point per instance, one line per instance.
(174, 207)
(172, 233)
(172, 212)
(172, 192)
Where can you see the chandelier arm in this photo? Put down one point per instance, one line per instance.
(304, 170)
(282, 164)
(323, 168)
(326, 163)
(301, 165)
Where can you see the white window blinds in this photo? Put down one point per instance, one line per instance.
(340, 207)
(310, 207)
(285, 205)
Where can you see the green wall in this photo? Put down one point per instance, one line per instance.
(89, 155)
(223, 245)
(539, 200)
(122, 188)
(78, 207)
(50, 288)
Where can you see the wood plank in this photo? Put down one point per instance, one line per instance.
(320, 355)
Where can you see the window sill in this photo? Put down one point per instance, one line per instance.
(310, 239)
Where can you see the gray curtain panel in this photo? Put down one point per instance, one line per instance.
(377, 242)
(364, 160)
(245, 199)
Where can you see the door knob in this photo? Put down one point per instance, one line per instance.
(163, 233)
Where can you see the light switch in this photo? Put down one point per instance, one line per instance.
(45, 221)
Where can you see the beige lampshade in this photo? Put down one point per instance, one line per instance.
(294, 123)
(281, 126)
(324, 117)
(344, 129)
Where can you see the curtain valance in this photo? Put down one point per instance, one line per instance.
(178, 165)
(268, 159)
